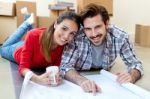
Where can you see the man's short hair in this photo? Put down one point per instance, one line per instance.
(92, 10)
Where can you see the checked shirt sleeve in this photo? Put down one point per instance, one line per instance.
(129, 57)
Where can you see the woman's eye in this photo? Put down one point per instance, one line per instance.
(64, 28)
(73, 34)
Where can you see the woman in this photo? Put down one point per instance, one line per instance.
(41, 48)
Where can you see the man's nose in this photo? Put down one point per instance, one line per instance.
(94, 33)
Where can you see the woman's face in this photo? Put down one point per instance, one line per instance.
(65, 32)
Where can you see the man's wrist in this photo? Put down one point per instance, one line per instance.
(80, 80)
(74, 76)
(135, 75)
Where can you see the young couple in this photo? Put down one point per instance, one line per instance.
(96, 44)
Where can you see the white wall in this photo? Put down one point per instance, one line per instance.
(127, 13)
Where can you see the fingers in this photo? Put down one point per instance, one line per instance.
(45, 75)
(46, 81)
(94, 89)
(55, 80)
(86, 85)
(90, 86)
(98, 89)
(124, 78)
(59, 80)
(44, 78)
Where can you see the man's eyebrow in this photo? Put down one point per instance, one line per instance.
(99, 25)
(87, 28)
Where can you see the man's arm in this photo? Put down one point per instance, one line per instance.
(135, 70)
(73, 76)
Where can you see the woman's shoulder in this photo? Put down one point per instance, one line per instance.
(36, 31)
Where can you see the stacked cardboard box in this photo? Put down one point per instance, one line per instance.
(108, 4)
(31, 6)
(7, 26)
(142, 35)
(7, 20)
(57, 8)
(55, 13)
(44, 21)
(137, 33)
(7, 9)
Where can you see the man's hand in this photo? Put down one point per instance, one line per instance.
(90, 86)
(124, 78)
(132, 76)
(86, 85)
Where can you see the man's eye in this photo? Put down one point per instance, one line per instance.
(87, 29)
(99, 26)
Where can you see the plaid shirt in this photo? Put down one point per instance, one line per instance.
(77, 54)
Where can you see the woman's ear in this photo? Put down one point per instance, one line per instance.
(55, 24)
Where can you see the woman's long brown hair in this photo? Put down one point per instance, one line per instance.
(47, 37)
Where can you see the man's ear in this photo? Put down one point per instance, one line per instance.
(107, 23)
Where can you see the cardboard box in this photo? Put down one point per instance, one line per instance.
(145, 36)
(45, 21)
(7, 26)
(58, 8)
(31, 6)
(62, 11)
(7, 9)
(108, 4)
(55, 13)
(142, 35)
(137, 33)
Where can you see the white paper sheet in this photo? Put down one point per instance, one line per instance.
(110, 90)
(129, 86)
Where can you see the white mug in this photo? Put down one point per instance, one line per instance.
(54, 70)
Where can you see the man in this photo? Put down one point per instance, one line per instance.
(97, 46)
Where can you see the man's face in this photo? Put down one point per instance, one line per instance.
(95, 29)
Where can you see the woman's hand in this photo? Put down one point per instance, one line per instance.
(59, 79)
(44, 79)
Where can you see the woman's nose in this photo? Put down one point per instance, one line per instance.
(66, 36)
